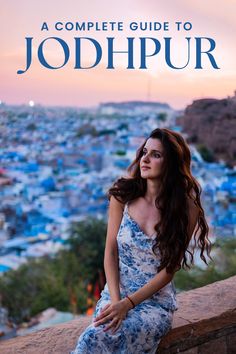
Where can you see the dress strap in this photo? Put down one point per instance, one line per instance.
(125, 208)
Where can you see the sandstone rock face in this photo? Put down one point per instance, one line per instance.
(205, 323)
(212, 122)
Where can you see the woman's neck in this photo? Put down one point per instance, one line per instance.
(153, 188)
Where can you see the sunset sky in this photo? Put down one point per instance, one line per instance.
(69, 86)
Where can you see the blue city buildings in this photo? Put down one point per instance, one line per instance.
(56, 166)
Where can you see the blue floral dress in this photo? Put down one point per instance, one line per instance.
(143, 327)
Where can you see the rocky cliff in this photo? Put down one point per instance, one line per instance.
(212, 123)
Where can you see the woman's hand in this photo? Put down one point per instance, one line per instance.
(115, 312)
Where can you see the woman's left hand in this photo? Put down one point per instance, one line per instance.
(115, 312)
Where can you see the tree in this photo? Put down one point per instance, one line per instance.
(59, 282)
(87, 242)
(222, 267)
(206, 153)
(22, 289)
(162, 117)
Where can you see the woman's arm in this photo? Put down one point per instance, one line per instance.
(111, 264)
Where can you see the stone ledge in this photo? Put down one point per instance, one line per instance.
(204, 323)
(206, 316)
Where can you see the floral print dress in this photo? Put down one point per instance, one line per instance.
(143, 327)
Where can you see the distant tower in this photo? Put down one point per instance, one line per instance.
(234, 97)
(149, 89)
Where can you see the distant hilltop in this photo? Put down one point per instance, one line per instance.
(134, 108)
(132, 104)
(211, 123)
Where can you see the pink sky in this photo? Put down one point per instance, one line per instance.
(67, 86)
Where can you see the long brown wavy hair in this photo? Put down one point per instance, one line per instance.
(177, 185)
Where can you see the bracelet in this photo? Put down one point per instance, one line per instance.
(133, 304)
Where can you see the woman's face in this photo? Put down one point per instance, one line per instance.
(151, 162)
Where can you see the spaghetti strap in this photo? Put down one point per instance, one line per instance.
(125, 208)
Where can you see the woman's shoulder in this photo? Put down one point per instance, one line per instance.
(123, 190)
(115, 203)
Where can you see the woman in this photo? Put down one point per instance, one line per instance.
(153, 214)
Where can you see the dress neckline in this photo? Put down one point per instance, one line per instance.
(137, 224)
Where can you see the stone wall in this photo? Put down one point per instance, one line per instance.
(205, 323)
